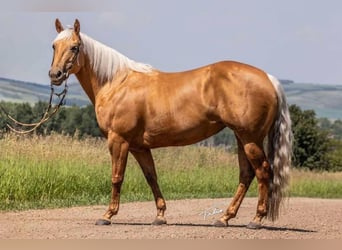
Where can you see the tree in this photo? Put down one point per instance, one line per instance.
(311, 143)
(334, 158)
(89, 124)
(23, 113)
(336, 128)
(67, 120)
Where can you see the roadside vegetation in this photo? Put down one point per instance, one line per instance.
(61, 171)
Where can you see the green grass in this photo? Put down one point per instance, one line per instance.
(316, 184)
(60, 171)
(51, 171)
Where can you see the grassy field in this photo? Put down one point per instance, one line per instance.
(60, 171)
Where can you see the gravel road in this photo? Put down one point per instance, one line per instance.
(302, 218)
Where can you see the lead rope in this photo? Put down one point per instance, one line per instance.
(45, 117)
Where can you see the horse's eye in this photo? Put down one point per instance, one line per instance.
(74, 49)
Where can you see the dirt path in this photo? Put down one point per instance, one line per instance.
(187, 219)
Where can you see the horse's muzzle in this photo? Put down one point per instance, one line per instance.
(57, 76)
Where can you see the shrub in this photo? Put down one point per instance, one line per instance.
(311, 143)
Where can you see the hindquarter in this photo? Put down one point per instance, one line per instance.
(245, 99)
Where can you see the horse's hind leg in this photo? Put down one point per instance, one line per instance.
(146, 163)
(245, 179)
(263, 173)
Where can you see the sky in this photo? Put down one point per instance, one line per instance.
(300, 40)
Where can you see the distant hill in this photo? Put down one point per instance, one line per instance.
(326, 100)
(19, 91)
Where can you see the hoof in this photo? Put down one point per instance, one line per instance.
(159, 221)
(254, 225)
(219, 223)
(103, 222)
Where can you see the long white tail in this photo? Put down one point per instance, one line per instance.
(279, 152)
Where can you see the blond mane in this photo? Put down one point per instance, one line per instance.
(105, 61)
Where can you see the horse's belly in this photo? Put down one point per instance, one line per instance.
(180, 137)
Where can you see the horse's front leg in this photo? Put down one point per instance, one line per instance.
(145, 160)
(119, 150)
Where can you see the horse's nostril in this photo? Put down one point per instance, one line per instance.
(56, 74)
(59, 74)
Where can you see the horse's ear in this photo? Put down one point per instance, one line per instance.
(77, 26)
(59, 26)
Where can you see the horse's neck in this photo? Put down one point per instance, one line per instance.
(91, 82)
(101, 65)
(88, 81)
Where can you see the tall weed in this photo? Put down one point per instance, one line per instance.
(61, 171)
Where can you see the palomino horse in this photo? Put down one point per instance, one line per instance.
(139, 108)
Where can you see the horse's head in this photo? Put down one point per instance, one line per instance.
(66, 48)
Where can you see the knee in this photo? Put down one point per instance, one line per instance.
(117, 179)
